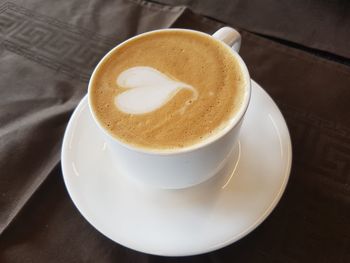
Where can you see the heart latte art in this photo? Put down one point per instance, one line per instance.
(167, 89)
(147, 90)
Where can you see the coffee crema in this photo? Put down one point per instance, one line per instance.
(167, 89)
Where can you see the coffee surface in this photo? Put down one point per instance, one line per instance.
(167, 89)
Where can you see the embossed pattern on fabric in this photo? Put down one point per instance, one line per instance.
(50, 42)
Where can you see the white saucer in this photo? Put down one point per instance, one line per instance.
(184, 222)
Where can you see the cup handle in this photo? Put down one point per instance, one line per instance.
(229, 36)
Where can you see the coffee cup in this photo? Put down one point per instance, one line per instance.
(170, 160)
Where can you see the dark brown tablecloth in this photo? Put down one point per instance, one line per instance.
(48, 50)
(322, 25)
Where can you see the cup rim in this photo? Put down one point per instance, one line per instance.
(232, 122)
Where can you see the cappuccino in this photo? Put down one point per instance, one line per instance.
(167, 89)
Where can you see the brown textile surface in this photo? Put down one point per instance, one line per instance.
(48, 50)
(322, 25)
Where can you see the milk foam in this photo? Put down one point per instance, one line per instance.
(150, 106)
(148, 90)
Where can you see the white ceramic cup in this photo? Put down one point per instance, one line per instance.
(191, 165)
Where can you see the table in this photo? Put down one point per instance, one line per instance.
(48, 50)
